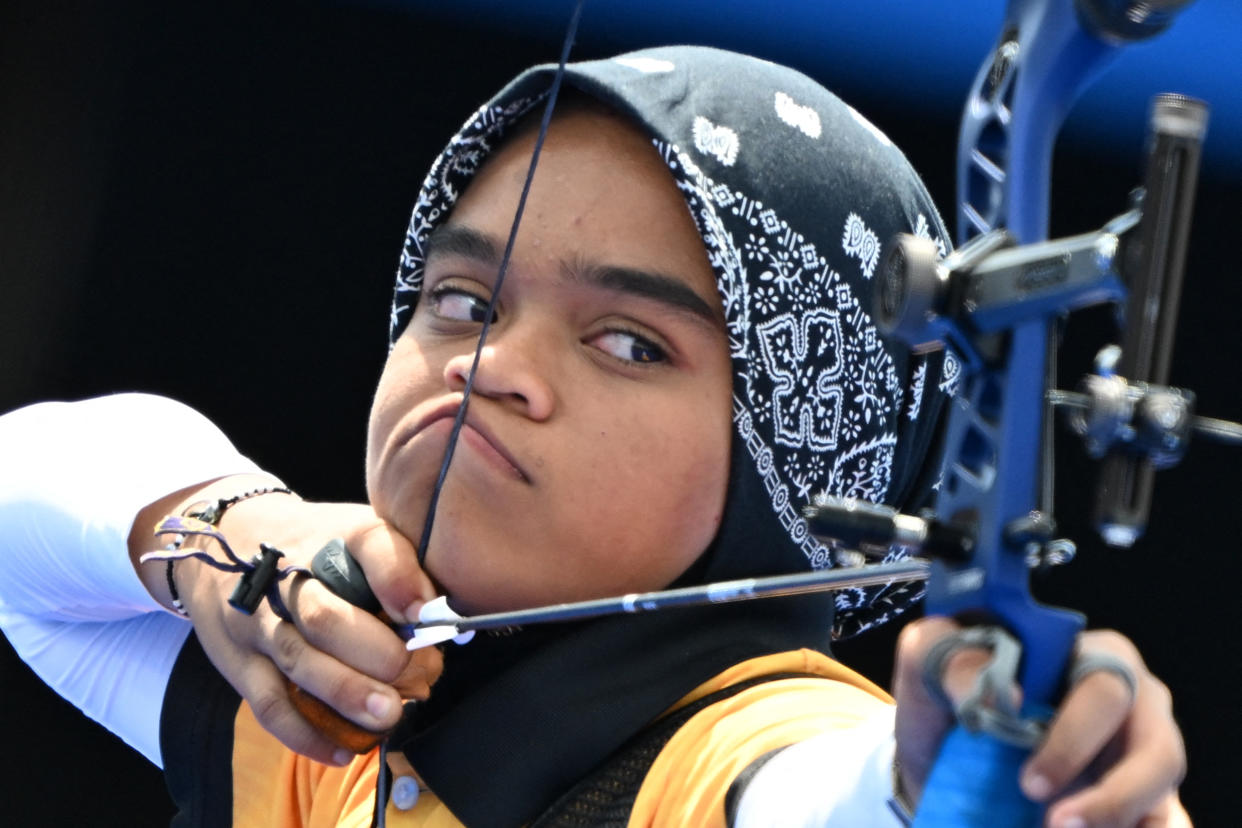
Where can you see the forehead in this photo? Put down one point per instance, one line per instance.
(601, 194)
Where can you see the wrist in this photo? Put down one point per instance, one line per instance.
(209, 502)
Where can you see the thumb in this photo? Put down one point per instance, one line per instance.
(922, 720)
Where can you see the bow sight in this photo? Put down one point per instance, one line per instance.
(1125, 412)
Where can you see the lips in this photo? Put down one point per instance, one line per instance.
(475, 433)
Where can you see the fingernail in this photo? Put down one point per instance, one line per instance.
(411, 612)
(342, 757)
(1037, 787)
(379, 705)
(1074, 821)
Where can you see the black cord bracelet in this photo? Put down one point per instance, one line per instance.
(172, 588)
(211, 513)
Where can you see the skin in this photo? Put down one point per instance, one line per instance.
(1107, 760)
(594, 459)
(348, 658)
(598, 435)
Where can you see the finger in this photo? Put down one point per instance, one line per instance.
(369, 703)
(351, 635)
(424, 669)
(1090, 716)
(227, 640)
(331, 724)
(1169, 813)
(391, 564)
(266, 690)
(1147, 775)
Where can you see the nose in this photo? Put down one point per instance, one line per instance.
(511, 372)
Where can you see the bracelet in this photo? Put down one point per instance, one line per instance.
(209, 513)
(172, 588)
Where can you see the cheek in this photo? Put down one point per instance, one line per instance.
(407, 379)
(706, 465)
(665, 487)
(704, 480)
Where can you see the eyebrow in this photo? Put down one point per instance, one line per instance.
(464, 241)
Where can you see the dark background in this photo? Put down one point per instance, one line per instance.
(207, 202)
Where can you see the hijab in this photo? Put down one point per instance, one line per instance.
(793, 193)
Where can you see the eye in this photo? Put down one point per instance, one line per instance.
(459, 305)
(629, 347)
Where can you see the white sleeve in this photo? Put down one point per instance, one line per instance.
(838, 779)
(73, 476)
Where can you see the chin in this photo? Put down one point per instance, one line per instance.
(473, 595)
(474, 591)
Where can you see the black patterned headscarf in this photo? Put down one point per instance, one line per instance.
(794, 194)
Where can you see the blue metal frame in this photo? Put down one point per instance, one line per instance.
(1047, 53)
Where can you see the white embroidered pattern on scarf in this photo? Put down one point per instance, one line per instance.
(795, 303)
(452, 170)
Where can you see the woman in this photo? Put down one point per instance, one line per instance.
(661, 391)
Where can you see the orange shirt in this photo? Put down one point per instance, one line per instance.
(686, 784)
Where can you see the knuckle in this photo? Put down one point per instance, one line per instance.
(394, 663)
(336, 689)
(1180, 762)
(911, 637)
(1115, 643)
(1160, 693)
(431, 664)
(419, 673)
(235, 626)
(287, 650)
(315, 619)
(917, 637)
(1108, 690)
(270, 707)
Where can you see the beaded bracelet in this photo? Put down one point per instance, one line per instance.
(210, 513)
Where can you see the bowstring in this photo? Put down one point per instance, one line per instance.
(459, 420)
(381, 792)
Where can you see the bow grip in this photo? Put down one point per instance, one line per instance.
(975, 783)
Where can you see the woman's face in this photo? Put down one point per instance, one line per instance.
(594, 459)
